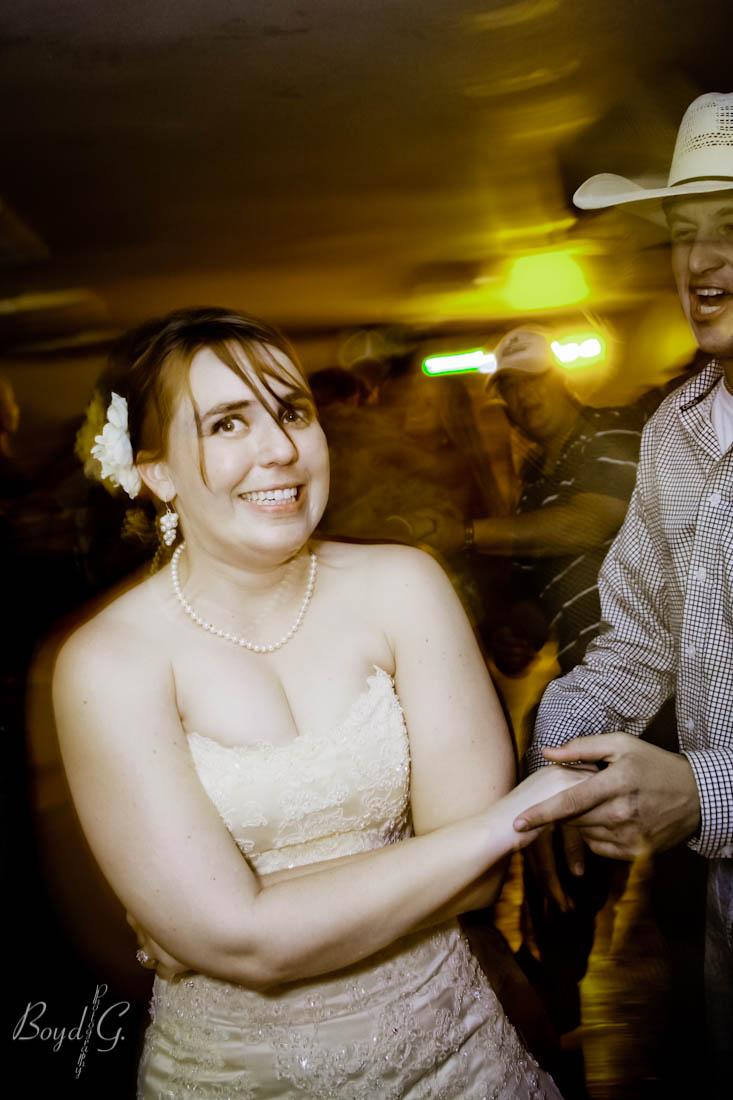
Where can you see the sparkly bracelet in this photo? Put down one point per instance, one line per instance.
(468, 534)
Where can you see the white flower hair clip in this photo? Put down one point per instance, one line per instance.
(113, 449)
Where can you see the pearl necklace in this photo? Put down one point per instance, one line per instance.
(192, 614)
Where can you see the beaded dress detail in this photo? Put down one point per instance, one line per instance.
(417, 1021)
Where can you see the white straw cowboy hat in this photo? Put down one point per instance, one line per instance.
(702, 163)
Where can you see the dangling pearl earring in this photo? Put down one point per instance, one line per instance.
(168, 523)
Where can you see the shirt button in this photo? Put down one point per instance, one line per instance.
(689, 725)
(714, 499)
(690, 651)
(701, 574)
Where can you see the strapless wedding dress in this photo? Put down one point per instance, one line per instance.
(417, 1021)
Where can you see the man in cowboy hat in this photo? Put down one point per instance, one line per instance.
(667, 587)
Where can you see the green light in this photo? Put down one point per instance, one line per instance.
(548, 280)
(460, 362)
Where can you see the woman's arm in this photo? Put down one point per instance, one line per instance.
(462, 758)
(549, 781)
(166, 852)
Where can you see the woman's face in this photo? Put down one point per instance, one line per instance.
(265, 477)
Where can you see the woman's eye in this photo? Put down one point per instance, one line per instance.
(227, 424)
(295, 414)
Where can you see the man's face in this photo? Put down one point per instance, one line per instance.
(535, 403)
(702, 260)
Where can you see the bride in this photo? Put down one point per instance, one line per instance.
(287, 756)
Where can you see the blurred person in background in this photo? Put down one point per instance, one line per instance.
(372, 374)
(575, 488)
(337, 386)
(403, 464)
(666, 590)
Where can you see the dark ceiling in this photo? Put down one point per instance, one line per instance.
(328, 161)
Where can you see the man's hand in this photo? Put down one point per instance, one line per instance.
(645, 800)
(545, 784)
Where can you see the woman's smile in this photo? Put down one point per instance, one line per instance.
(281, 501)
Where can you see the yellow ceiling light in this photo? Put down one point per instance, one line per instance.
(546, 280)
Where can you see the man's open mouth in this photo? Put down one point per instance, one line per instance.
(708, 300)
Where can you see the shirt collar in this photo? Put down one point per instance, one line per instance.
(694, 401)
(698, 388)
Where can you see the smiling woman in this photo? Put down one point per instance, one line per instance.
(292, 824)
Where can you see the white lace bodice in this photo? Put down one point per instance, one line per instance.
(324, 794)
(417, 1021)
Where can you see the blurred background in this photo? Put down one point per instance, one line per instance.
(390, 182)
(331, 164)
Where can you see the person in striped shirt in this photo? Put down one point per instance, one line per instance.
(576, 485)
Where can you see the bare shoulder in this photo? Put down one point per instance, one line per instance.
(121, 639)
(387, 560)
(390, 573)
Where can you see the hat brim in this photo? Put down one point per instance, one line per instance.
(502, 372)
(606, 189)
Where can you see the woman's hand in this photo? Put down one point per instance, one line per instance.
(541, 785)
(152, 956)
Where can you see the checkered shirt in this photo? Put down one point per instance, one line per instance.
(666, 589)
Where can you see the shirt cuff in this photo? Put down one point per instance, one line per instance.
(713, 771)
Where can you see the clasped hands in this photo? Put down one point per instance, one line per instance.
(644, 800)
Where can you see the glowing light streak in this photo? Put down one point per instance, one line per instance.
(581, 350)
(460, 362)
